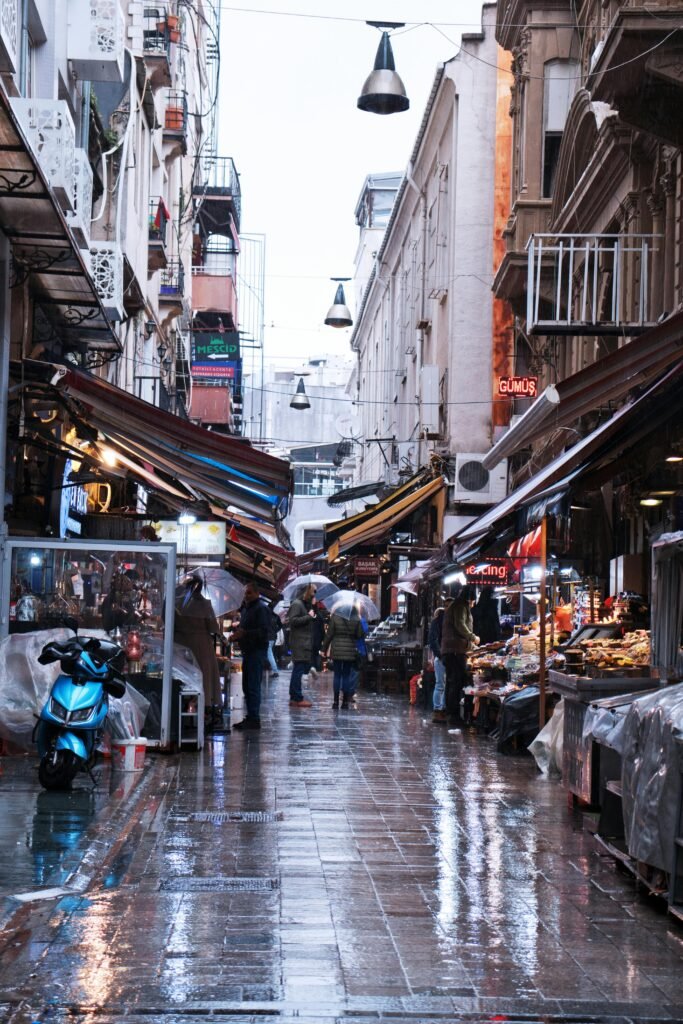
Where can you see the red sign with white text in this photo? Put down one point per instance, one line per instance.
(518, 387)
(366, 567)
(493, 571)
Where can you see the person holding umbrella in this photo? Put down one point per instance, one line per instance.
(196, 627)
(343, 633)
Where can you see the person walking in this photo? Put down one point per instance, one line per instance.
(485, 618)
(195, 626)
(434, 641)
(252, 636)
(274, 626)
(457, 636)
(300, 620)
(343, 634)
(317, 634)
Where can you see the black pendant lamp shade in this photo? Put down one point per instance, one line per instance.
(339, 315)
(300, 398)
(384, 92)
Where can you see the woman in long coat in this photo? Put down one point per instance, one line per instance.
(196, 627)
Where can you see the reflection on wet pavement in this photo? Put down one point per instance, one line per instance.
(400, 871)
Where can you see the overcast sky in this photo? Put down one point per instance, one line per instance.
(288, 117)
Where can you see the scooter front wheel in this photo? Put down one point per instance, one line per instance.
(57, 769)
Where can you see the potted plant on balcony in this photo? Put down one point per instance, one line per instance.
(173, 26)
(174, 118)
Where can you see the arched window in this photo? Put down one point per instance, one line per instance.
(561, 81)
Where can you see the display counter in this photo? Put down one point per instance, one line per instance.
(125, 588)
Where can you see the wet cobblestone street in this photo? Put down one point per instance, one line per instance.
(362, 865)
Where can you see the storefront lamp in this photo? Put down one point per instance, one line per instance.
(35, 560)
(650, 502)
(455, 577)
(674, 458)
(108, 456)
(186, 517)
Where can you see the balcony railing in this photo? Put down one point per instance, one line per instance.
(175, 114)
(590, 283)
(9, 35)
(172, 286)
(49, 129)
(221, 180)
(95, 46)
(156, 37)
(79, 220)
(106, 268)
(158, 222)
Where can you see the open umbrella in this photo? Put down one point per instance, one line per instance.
(346, 602)
(223, 590)
(324, 587)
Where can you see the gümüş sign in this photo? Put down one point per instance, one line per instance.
(519, 387)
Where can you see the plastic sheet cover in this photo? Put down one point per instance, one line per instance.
(604, 723)
(650, 775)
(547, 748)
(25, 685)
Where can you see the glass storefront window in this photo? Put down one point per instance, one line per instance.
(125, 590)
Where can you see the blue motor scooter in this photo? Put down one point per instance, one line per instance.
(72, 721)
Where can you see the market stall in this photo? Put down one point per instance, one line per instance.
(127, 591)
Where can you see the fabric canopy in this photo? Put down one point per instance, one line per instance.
(374, 522)
(222, 468)
(625, 428)
(633, 365)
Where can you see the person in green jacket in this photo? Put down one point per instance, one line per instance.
(342, 636)
(457, 637)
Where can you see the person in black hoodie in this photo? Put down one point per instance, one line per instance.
(252, 636)
(485, 618)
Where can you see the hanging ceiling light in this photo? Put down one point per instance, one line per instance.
(384, 92)
(339, 315)
(300, 398)
(186, 517)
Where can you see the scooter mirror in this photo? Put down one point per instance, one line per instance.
(70, 623)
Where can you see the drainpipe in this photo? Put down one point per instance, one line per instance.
(5, 340)
(420, 334)
(85, 117)
(23, 53)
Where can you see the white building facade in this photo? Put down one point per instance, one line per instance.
(429, 337)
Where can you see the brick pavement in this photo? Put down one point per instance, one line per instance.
(362, 864)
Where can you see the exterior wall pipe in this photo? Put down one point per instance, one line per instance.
(24, 52)
(5, 339)
(423, 278)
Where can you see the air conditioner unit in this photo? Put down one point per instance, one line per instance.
(477, 485)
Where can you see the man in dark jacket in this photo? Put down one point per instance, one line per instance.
(457, 637)
(252, 636)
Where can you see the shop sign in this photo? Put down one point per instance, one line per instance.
(216, 345)
(219, 370)
(73, 504)
(368, 567)
(518, 387)
(494, 571)
(195, 539)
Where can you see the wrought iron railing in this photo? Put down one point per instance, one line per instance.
(158, 220)
(175, 114)
(156, 34)
(172, 280)
(590, 283)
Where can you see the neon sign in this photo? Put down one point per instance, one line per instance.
(518, 387)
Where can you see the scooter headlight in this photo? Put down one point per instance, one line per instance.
(57, 710)
(82, 715)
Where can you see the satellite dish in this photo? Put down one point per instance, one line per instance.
(348, 425)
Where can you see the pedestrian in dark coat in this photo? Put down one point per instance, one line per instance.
(342, 638)
(457, 636)
(485, 620)
(196, 627)
(300, 621)
(252, 636)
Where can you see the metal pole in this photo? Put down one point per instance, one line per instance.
(5, 327)
(541, 612)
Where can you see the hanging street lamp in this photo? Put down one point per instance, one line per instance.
(300, 398)
(383, 91)
(339, 315)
